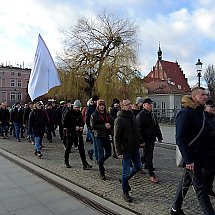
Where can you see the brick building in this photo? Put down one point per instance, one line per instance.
(166, 84)
(13, 84)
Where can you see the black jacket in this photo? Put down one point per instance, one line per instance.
(97, 124)
(16, 116)
(72, 118)
(126, 135)
(188, 124)
(37, 122)
(210, 120)
(4, 115)
(90, 110)
(26, 115)
(148, 127)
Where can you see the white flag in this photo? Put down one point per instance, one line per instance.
(44, 75)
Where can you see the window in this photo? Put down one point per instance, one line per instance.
(163, 107)
(12, 73)
(19, 96)
(19, 83)
(12, 96)
(12, 83)
(3, 82)
(19, 73)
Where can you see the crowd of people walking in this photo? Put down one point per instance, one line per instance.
(124, 131)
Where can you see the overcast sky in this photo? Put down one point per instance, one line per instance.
(184, 28)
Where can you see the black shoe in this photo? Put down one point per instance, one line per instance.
(87, 166)
(18, 140)
(67, 165)
(211, 193)
(177, 212)
(90, 153)
(35, 153)
(102, 177)
(126, 197)
(129, 187)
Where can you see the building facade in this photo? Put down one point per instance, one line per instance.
(13, 84)
(166, 84)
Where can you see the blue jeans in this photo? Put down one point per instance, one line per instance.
(127, 171)
(195, 178)
(38, 143)
(94, 146)
(17, 127)
(104, 152)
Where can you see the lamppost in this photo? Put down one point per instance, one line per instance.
(199, 70)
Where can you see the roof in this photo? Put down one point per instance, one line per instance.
(173, 74)
(162, 87)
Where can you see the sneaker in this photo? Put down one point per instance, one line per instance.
(18, 140)
(39, 155)
(76, 148)
(177, 212)
(87, 166)
(211, 193)
(126, 197)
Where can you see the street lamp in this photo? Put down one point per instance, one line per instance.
(199, 70)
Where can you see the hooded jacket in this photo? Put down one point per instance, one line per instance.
(126, 135)
(188, 124)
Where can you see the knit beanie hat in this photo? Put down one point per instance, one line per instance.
(139, 99)
(95, 98)
(77, 103)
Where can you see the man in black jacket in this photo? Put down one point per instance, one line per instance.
(73, 124)
(127, 143)
(4, 120)
(189, 122)
(149, 130)
(210, 161)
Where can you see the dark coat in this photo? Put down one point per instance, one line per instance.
(16, 116)
(188, 124)
(59, 111)
(148, 127)
(210, 120)
(72, 118)
(4, 115)
(126, 135)
(37, 122)
(52, 117)
(26, 115)
(90, 110)
(113, 112)
(97, 124)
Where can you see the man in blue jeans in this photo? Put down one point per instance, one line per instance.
(127, 143)
(189, 124)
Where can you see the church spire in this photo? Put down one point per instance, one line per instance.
(159, 53)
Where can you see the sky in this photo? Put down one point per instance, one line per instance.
(185, 29)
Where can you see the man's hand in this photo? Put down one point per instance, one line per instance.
(190, 166)
(120, 156)
(107, 125)
(77, 128)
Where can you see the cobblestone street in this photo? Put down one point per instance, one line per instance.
(148, 198)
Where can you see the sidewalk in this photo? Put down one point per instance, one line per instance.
(149, 199)
(23, 193)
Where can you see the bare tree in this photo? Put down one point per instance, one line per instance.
(209, 77)
(100, 44)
